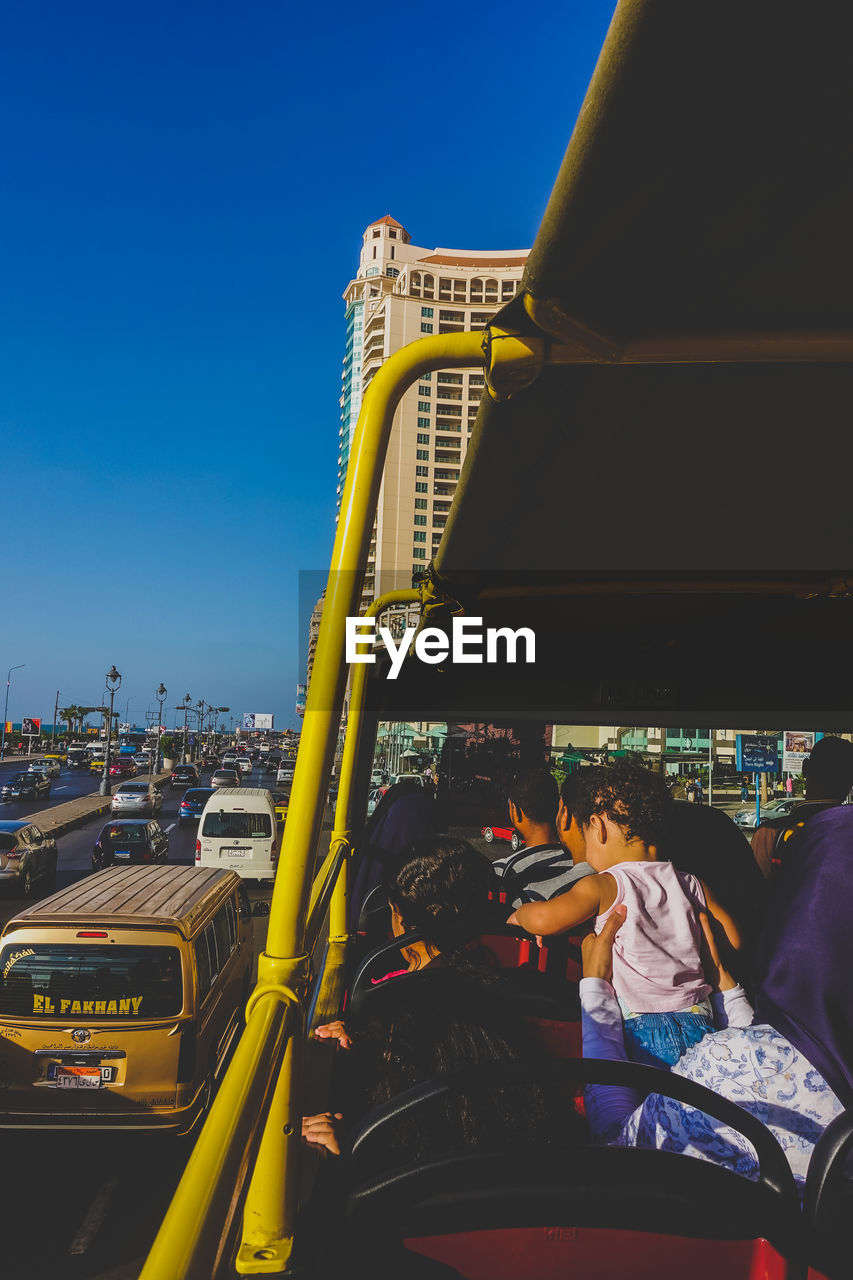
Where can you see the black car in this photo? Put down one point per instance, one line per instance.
(272, 762)
(130, 840)
(25, 786)
(184, 775)
(27, 857)
(210, 762)
(193, 802)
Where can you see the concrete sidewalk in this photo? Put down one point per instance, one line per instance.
(76, 813)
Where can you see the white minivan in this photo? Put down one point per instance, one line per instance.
(237, 832)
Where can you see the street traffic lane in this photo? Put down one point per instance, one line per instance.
(70, 784)
(101, 1197)
(75, 847)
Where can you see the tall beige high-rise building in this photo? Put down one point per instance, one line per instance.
(401, 292)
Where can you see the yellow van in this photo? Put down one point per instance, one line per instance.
(120, 997)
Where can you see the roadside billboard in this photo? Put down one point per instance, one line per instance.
(31, 727)
(254, 720)
(797, 746)
(301, 695)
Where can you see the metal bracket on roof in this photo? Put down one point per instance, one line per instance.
(435, 598)
(585, 344)
(513, 361)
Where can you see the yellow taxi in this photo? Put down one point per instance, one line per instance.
(280, 801)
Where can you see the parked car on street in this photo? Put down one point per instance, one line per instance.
(27, 858)
(130, 840)
(25, 786)
(745, 818)
(192, 803)
(51, 768)
(226, 778)
(123, 767)
(136, 797)
(184, 775)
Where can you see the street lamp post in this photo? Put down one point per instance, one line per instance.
(6, 707)
(161, 695)
(200, 706)
(113, 685)
(186, 706)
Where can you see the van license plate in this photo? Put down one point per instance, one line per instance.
(78, 1077)
(122, 853)
(64, 1077)
(235, 853)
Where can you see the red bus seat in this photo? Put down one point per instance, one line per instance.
(602, 1212)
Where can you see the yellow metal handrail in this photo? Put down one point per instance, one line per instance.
(189, 1239)
(270, 1050)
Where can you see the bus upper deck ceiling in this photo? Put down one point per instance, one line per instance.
(699, 230)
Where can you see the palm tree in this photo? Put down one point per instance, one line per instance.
(69, 715)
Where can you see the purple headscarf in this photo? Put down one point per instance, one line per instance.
(804, 965)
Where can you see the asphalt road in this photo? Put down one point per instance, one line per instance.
(87, 1206)
(70, 784)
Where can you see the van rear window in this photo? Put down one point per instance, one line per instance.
(237, 826)
(55, 980)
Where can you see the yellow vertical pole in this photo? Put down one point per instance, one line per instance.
(271, 1202)
(343, 595)
(269, 1216)
(349, 761)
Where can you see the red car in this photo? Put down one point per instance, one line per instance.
(123, 767)
(500, 831)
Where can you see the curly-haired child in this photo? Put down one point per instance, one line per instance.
(623, 810)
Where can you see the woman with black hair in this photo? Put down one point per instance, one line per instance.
(451, 1014)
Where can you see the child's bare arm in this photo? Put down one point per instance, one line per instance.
(726, 921)
(563, 913)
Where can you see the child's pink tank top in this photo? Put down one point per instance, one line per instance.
(656, 955)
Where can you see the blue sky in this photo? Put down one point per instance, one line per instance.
(184, 191)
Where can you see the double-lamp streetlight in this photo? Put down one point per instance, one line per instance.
(113, 685)
(160, 694)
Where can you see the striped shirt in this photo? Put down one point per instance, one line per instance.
(540, 872)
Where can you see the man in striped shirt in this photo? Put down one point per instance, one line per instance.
(554, 857)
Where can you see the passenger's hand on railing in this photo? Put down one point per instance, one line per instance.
(334, 1031)
(715, 971)
(597, 948)
(321, 1130)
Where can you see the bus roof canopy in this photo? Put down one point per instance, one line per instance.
(691, 294)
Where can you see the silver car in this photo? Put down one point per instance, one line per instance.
(50, 768)
(136, 797)
(745, 818)
(226, 778)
